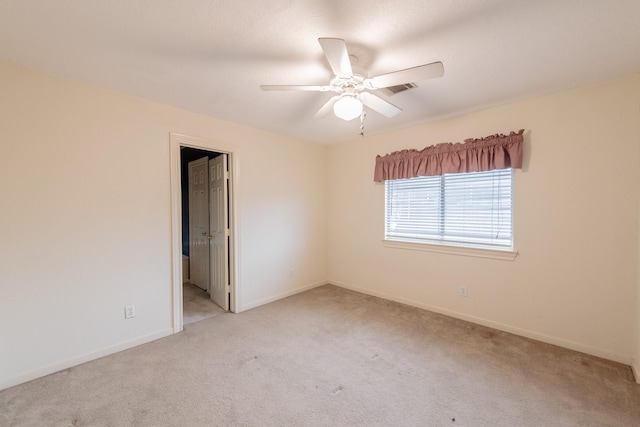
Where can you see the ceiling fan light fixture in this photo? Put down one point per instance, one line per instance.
(348, 107)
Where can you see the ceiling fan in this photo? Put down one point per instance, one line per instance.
(353, 90)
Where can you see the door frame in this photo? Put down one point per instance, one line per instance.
(175, 142)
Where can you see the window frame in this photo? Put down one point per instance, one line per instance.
(448, 247)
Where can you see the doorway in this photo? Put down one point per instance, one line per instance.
(218, 235)
(205, 248)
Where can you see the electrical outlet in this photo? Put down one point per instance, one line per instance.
(291, 272)
(462, 290)
(129, 311)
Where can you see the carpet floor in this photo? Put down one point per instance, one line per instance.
(332, 357)
(196, 304)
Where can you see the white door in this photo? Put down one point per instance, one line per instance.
(199, 223)
(218, 227)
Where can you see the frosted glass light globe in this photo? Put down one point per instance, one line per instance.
(348, 107)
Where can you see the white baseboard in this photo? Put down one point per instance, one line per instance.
(75, 361)
(499, 326)
(277, 297)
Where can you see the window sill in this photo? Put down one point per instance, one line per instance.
(502, 255)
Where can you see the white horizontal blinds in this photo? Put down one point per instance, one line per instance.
(413, 208)
(477, 208)
(468, 209)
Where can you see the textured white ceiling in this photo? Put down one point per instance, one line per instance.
(211, 56)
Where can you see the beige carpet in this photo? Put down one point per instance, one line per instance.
(332, 357)
(196, 304)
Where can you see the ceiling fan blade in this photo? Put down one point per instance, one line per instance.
(296, 87)
(336, 52)
(326, 108)
(378, 104)
(408, 75)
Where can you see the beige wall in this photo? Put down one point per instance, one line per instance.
(635, 362)
(576, 219)
(85, 224)
(85, 221)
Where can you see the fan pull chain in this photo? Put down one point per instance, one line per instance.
(362, 117)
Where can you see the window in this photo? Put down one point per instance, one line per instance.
(462, 209)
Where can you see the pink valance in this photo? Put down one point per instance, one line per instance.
(474, 155)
